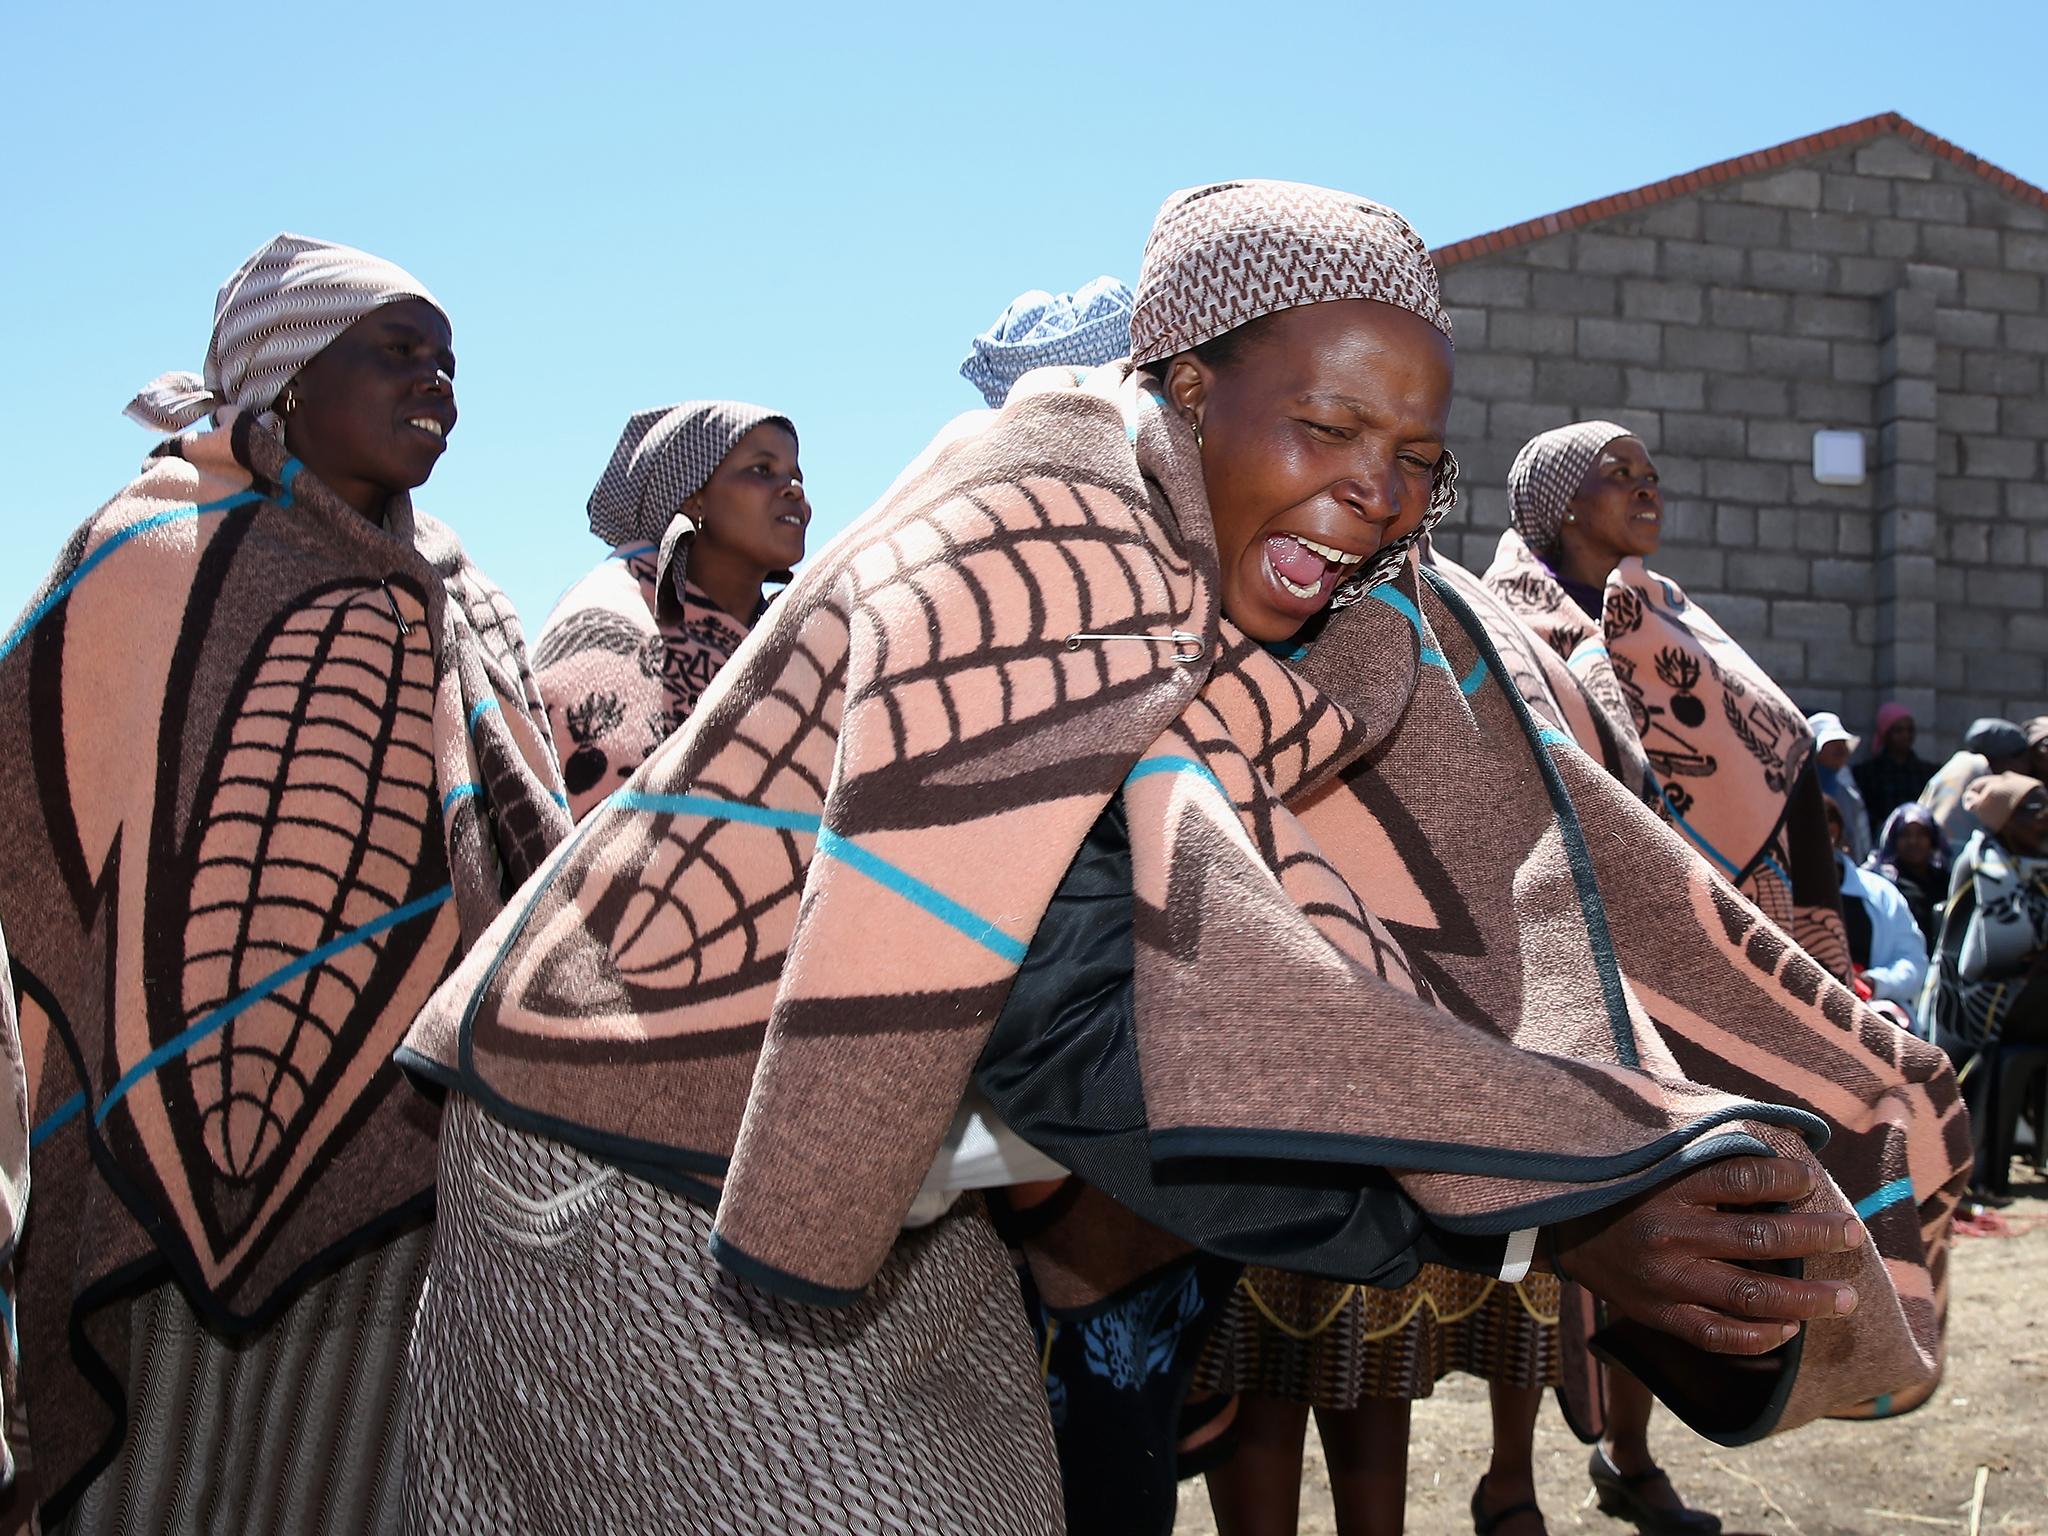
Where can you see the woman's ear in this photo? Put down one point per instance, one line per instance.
(287, 406)
(1187, 380)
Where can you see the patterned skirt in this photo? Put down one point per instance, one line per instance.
(299, 1431)
(1334, 1345)
(581, 1364)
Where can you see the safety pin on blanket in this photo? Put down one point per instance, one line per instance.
(1187, 648)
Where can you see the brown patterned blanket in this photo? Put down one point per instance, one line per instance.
(764, 970)
(1728, 754)
(623, 659)
(277, 766)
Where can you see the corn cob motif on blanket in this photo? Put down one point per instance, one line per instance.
(1370, 926)
(278, 765)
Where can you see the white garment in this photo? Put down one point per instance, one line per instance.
(980, 1152)
(1898, 951)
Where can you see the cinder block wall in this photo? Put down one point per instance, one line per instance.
(1881, 289)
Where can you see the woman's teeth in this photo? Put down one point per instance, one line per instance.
(1302, 567)
(1334, 556)
(428, 424)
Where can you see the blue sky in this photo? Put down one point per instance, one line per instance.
(812, 207)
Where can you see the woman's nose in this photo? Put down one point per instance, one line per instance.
(1372, 497)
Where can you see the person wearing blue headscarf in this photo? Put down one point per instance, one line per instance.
(1083, 329)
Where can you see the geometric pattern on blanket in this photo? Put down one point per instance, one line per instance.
(774, 956)
(1726, 749)
(277, 764)
(623, 660)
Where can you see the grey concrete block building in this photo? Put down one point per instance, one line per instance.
(1873, 279)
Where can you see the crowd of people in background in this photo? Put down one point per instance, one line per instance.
(1947, 913)
(1129, 951)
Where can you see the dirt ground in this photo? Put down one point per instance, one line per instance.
(1911, 1476)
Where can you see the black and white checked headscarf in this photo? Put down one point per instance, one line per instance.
(663, 459)
(1547, 474)
(279, 311)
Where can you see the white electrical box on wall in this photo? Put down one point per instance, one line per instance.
(1838, 457)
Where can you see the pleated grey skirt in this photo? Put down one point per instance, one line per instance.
(582, 1365)
(297, 1432)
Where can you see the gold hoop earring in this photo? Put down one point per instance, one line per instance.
(290, 402)
(1195, 426)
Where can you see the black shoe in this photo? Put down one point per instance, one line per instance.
(1486, 1524)
(1619, 1498)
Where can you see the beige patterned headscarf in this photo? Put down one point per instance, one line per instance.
(280, 310)
(1546, 475)
(1222, 256)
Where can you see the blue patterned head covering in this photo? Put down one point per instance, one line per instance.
(1083, 329)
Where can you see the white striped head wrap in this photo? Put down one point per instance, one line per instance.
(663, 459)
(280, 310)
(1547, 474)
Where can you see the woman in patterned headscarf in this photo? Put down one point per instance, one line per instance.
(1688, 718)
(702, 504)
(1727, 757)
(1078, 769)
(279, 759)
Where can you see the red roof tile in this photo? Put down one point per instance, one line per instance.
(1728, 170)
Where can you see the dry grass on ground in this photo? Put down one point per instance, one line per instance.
(1912, 1476)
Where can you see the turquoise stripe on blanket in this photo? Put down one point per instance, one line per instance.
(91, 562)
(1397, 600)
(241, 1003)
(1885, 1198)
(57, 1119)
(1153, 766)
(960, 918)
